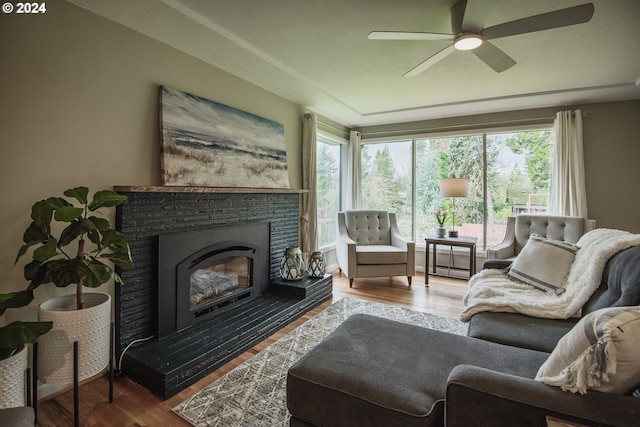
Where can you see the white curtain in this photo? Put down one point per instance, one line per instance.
(568, 193)
(309, 210)
(353, 172)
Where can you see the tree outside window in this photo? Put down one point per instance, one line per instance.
(328, 185)
(516, 167)
(520, 177)
(386, 174)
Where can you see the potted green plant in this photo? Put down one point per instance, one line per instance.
(441, 216)
(14, 338)
(77, 251)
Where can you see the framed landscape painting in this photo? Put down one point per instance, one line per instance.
(206, 144)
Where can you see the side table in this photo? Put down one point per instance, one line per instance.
(462, 241)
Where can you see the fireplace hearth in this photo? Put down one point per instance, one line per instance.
(234, 303)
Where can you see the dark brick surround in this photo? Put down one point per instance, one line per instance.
(167, 365)
(145, 215)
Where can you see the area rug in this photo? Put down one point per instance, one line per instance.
(253, 394)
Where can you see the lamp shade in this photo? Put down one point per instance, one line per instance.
(453, 187)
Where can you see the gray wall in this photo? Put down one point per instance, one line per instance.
(612, 163)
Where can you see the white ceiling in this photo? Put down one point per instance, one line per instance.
(315, 53)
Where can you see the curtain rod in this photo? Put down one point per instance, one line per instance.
(447, 127)
(320, 120)
(469, 126)
(339, 132)
(444, 128)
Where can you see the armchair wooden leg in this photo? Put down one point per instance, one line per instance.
(350, 283)
(409, 280)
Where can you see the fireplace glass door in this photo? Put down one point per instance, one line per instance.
(222, 279)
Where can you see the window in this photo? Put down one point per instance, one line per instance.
(518, 177)
(455, 157)
(386, 172)
(328, 181)
(508, 173)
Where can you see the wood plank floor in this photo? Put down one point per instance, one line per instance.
(135, 406)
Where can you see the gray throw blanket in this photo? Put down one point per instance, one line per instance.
(493, 290)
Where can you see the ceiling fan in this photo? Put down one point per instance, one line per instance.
(468, 33)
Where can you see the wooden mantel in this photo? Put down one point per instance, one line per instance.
(176, 189)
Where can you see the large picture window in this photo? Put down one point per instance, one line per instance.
(508, 173)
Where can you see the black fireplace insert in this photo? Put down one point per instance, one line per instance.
(205, 272)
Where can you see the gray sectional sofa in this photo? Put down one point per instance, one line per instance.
(375, 372)
(620, 286)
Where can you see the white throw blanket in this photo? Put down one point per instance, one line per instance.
(492, 290)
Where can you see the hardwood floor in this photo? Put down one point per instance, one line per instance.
(134, 406)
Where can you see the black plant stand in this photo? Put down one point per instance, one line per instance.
(76, 379)
(34, 379)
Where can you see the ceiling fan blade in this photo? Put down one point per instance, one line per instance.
(494, 57)
(407, 35)
(469, 16)
(429, 62)
(546, 21)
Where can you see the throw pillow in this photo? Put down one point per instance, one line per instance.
(599, 353)
(544, 263)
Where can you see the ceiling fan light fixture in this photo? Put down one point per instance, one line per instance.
(467, 42)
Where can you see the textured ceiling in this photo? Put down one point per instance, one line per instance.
(315, 53)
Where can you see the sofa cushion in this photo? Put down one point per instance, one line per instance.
(599, 353)
(380, 254)
(620, 285)
(544, 263)
(376, 372)
(519, 330)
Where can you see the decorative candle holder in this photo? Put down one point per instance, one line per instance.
(292, 265)
(317, 266)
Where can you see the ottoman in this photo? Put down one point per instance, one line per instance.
(376, 372)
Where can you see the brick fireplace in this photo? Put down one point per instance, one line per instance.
(179, 354)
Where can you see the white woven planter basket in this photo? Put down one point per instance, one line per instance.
(90, 327)
(12, 380)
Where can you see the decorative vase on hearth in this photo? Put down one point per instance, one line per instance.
(292, 265)
(317, 266)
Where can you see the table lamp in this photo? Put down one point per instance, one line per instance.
(453, 187)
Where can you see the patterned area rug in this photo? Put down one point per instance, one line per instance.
(253, 394)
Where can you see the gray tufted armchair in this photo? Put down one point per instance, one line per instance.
(369, 245)
(520, 227)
